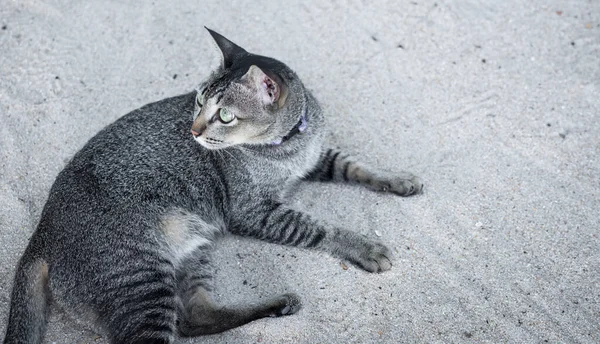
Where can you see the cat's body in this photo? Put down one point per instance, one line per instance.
(125, 237)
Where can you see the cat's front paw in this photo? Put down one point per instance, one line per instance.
(402, 184)
(372, 257)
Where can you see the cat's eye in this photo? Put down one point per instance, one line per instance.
(225, 116)
(199, 100)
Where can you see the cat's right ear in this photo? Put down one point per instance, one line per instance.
(229, 50)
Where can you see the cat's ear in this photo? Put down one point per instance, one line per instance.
(229, 50)
(269, 88)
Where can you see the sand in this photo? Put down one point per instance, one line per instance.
(496, 106)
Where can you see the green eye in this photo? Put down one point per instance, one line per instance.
(199, 100)
(225, 116)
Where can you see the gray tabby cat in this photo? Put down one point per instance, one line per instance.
(124, 239)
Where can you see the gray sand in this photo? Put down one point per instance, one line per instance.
(496, 107)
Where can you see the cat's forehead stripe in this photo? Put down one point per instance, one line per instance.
(218, 87)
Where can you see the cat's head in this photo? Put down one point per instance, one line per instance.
(249, 99)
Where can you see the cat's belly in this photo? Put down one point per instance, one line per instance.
(182, 233)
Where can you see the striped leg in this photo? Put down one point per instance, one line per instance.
(338, 167)
(141, 306)
(122, 285)
(274, 222)
(199, 315)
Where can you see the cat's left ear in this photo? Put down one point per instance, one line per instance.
(229, 50)
(270, 89)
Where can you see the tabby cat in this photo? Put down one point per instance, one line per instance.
(125, 237)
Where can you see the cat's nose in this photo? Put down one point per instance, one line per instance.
(198, 127)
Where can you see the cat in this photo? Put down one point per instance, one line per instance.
(125, 237)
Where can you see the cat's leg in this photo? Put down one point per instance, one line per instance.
(336, 166)
(128, 294)
(141, 305)
(199, 315)
(274, 222)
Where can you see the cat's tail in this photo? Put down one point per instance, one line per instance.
(29, 306)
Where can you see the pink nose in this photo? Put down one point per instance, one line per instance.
(195, 133)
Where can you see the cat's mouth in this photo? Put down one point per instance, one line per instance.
(210, 143)
(213, 141)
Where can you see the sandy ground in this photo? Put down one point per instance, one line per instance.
(496, 107)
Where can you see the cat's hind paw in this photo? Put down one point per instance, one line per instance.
(286, 304)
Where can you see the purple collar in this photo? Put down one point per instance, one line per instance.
(300, 127)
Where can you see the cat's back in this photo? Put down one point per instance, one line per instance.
(153, 136)
(147, 160)
(149, 144)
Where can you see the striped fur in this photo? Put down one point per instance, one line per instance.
(336, 166)
(125, 238)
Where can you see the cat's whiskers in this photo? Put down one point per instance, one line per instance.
(232, 155)
(220, 154)
(244, 150)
